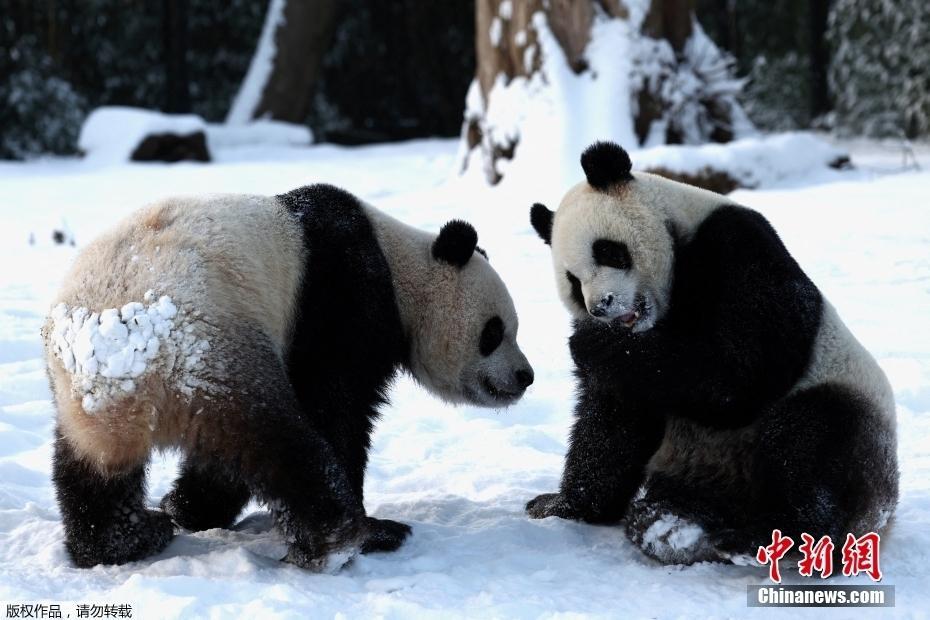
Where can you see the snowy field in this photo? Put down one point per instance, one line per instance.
(459, 476)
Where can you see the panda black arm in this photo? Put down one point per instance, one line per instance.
(741, 325)
(610, 444)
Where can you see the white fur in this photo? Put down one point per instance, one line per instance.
(143, 329)
(635, 214)
(443, 309)
(201, 266)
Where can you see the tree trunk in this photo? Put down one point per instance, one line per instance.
(604, 71)
(177, 82)
(818, 13)
(287, 60)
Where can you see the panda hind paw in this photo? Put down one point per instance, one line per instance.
(384, 535)
(142, 534)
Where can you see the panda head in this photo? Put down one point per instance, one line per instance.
(612, 249)
(465, 346)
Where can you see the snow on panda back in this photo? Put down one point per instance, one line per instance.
(106, 351)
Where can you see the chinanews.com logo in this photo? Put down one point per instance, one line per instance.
(858, 555)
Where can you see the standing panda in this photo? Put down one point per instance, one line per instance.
(720, 396)
(259, 335)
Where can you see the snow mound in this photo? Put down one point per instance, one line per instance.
(258, 133)
(111, 133)
(106, 351)
(761, 161)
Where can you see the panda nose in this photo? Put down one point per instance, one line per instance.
(602, 306)
(525, 378)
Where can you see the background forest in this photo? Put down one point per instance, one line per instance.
(374, 71)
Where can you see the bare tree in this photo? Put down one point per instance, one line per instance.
(287, 61)
(678, 84)
(175, 37)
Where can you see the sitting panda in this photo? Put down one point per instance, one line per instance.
(259, 335)
(720, 396)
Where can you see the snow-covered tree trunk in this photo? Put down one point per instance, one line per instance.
(554, 75)
(280, 80)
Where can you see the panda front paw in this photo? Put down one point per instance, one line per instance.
(326, 549)
(384, 535)
(550, 505)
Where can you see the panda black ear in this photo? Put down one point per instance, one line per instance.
(606, 164)
(541, 219)
(456, 243)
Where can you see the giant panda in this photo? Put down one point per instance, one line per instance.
(720, 396)
(259, 335)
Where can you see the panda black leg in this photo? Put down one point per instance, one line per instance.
(266, 441)
(204, 497)
(104, 515)
(605, 465)
(382, 535)
(810, 471)
(347, 427)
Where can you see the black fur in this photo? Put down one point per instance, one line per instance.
(577, 295)
(205, 496)
(541, 219)
(456, 243)
(738, 335)
(343, 360)
(606, 164)
(105, 517)
(608, 253)
(347, 346)
(264, 438)
(491, 336)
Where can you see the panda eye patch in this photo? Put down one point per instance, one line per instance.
(491, 336)
(576, 289)
(609, 253)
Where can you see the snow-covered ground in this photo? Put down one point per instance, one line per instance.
(459, 476)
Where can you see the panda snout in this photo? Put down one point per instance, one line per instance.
(603, 307)
(524, 377)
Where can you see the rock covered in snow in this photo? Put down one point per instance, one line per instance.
(759, 161)
(116, 134)
(113, 133)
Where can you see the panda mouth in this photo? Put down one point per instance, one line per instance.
(630, 318)
(497, 393)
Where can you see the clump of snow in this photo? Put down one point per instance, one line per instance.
(261, 132)
(505, 10)
(673, 532)
(494, 31)
(250, 93)
(105, 351)
(111, 133)
(761, 161)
